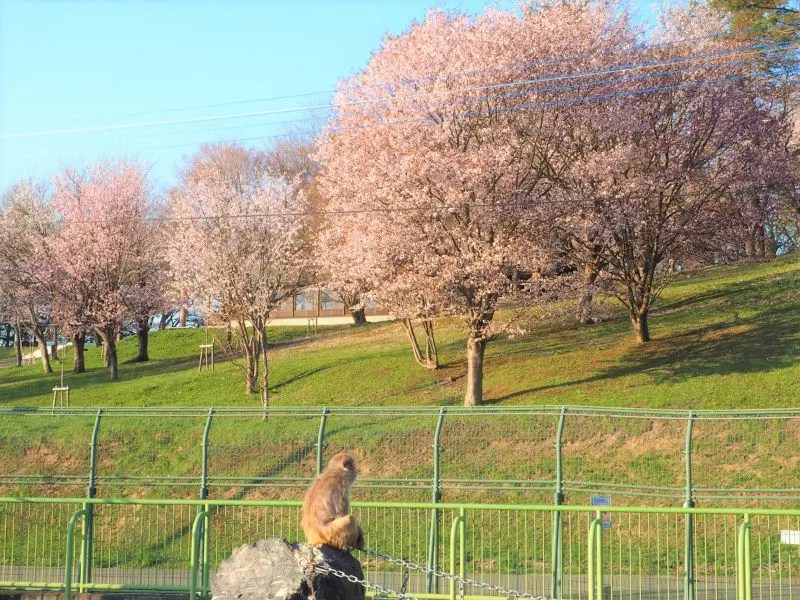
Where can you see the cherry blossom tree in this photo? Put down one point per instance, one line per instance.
(666, 169)
(104, 251)
(11, 315)
(451, 159)
(239, 234)
(24, 269)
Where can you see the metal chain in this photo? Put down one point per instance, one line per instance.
(404, 585)
(309, 566)
(455, 578)
(364, 582)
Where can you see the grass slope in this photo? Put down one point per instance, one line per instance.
(723, 338)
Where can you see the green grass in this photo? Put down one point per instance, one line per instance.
(726, 337)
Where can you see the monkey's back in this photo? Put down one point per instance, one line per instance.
(326, 500)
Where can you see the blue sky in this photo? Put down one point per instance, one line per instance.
(78, 65)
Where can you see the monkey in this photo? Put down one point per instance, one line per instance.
(326, 517)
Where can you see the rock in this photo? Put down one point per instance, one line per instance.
(274, 569)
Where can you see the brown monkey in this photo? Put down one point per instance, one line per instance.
(326, 508)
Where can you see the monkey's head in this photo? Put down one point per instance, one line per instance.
(344, 464)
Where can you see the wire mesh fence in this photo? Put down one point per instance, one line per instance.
(517, 454)
(542, 550)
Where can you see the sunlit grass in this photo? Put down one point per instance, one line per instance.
(726, 337)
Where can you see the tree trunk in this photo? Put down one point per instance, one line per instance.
(182, 316)
(18, 342)
(120, 335)
(111, 355)
(39, 335)
(639, 322)
(359, 316)
(475, 351)
(246, 341)
(262, 342)
(431, 352)
(584, 311)
(431, 359)
(54, 345)
(142, 336)
(164, 319)
(251, 355)
(78, 347)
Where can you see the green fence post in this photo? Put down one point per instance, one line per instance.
(203, 496)
(594, 557)
(590, 566)
(688, 559)
(206, 566)
(558, 500)
(321, 439)
(458, 533)
(70, 552)
(744, 570)
(432, 583)
(197, 541)
(462, 544)
(88, 523)
(204, 466)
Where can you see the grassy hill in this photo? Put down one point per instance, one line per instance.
(726, 337)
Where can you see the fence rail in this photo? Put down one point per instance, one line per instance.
(560, 552)
(520, 454)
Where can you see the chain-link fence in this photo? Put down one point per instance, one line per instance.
(574, 455)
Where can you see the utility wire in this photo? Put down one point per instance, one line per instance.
(636, 48)
(623, 68)
(596, 83)
(587, 84)
(564, 101)
(528, 106)
(510, 66)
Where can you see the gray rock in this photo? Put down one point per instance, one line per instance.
(274, 569)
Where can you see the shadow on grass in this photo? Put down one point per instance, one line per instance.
(41, 384)
(765, 342)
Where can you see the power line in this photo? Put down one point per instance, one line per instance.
(619, 69)
(635, 66)
(535, 105)
(778, 47)
(597, 83)
(638, 48)
(520, 107)
(528, 106)
(509, 66)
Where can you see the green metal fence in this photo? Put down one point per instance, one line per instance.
(516, 454)
(554, 551)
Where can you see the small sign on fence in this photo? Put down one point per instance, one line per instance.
(790, 536)
(605, 516)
